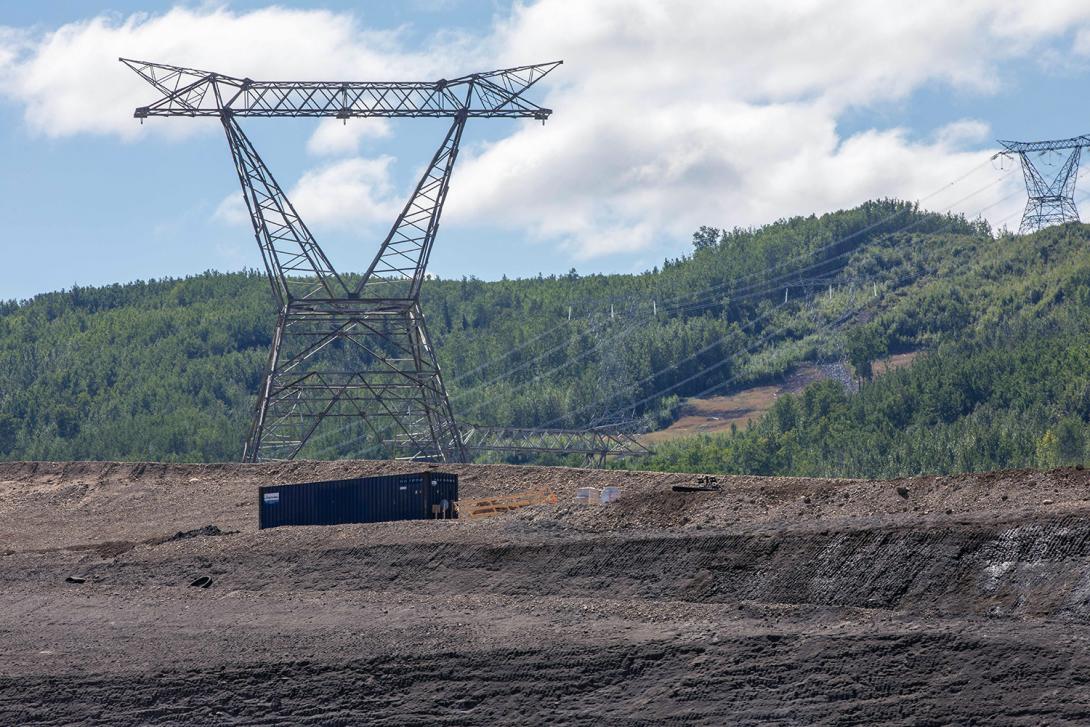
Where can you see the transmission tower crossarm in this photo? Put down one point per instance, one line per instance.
(1021, 147)
(193, 92)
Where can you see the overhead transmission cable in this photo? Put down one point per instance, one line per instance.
(735, 378)
(766, 282)
(769, 286)
(477, 406)
(611, 339)
(662, 392)
(811, 253)
(795, 273)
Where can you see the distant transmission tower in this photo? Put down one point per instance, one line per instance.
(343, 348)
(1051, 200)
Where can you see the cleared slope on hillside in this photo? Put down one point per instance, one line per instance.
(718, 414)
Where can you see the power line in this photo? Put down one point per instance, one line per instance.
(632, 327)
(759, 292)
(794, 273)
(811, 253)
(721, 384)
(661, 392)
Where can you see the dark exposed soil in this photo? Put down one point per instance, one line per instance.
(933, 600)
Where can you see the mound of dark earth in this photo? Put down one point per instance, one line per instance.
(774, 601)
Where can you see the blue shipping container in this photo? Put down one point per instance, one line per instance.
(417, 496)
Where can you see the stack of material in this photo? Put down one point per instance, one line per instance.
(609, 494)
(488, 506)
(588, 495)
(594, 496)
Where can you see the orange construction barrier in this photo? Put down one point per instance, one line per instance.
(488, 506)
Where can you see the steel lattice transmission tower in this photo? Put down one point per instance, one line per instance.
(1051, 199)
(344, 349)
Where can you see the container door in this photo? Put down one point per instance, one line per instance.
(407, 498)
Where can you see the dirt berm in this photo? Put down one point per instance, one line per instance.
(935, 600)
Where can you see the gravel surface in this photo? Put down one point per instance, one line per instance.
(932, 600)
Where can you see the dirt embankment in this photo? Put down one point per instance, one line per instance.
(777, 600)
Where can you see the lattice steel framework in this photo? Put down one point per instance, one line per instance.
(594, 444)
(1051, 199)
(344, 350)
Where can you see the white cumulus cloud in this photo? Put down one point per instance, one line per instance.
(344, 193)
(354, 190)
(334, 136)
(669, 114)
(69, 79)
(672, 115)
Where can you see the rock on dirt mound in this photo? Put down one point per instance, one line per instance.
(205, 532)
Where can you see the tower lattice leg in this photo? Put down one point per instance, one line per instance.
(349, 362)
(357, 356)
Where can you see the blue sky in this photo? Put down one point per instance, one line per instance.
(666, 118)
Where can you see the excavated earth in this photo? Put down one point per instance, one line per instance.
(937, 600)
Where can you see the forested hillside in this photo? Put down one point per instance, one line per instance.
(1005, 382)
(167, 369)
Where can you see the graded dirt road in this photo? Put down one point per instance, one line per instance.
(959, 600)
